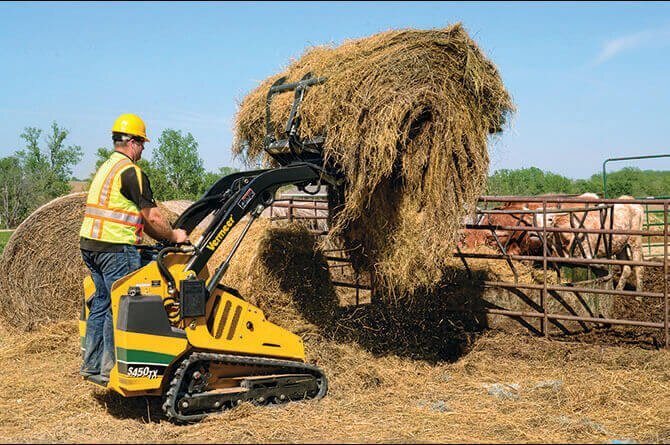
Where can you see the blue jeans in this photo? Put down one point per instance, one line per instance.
(106, 268)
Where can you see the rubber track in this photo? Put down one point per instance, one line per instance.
(286, 366)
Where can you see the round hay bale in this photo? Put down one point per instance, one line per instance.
(280, 269)
(168, 213)
(407, 115)
(41, 268)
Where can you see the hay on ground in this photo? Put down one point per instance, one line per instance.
(643, 309)
(395, 374)
(558, 393)
(407, 115)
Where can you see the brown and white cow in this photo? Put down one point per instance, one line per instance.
(514, 242)
(594, 245)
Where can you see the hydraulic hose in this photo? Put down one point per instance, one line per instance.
(165, 272)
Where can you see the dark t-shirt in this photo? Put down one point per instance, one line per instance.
(130, 188)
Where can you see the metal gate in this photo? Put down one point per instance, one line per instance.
(547, 261)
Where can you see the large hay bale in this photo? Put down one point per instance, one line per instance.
(407, 115)
(41, 270)
(41, 266)
(177, 206)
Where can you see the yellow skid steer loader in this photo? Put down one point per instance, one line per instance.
(182, 334)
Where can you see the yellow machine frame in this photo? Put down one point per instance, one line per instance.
(230, 325)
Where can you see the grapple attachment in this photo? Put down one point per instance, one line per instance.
(291, 148)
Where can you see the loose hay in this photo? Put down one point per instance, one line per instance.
(41, 269)
(645, 308)
(407, 115)
(280, 270)
(605, 393)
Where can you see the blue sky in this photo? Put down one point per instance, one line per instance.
(591, 80)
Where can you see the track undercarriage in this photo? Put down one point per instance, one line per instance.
(205, 383)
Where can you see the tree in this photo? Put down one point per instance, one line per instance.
(588, 185)
(533, 181)
(554, 183)
(177, 170)
(61, 159)
(49, 171)
(528, 182)
(15, 204)
(34, 176)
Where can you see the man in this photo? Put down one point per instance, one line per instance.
(119, 207)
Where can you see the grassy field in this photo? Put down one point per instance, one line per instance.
(4, 237)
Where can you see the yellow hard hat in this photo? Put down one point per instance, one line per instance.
(130, 124)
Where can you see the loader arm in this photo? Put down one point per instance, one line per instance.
(232, 198)
(301, 163)
(212, 200)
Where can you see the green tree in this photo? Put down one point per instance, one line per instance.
(15, 203)
(627, 181)
(34, 176)
(533, 181)
(177, 170)
(34, 166)
(622, 182)
(48, 171)
(527, 182)
(554, 183)
(61, 159)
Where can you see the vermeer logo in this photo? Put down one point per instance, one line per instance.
(213, 244)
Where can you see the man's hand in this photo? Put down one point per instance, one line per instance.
(156, 226)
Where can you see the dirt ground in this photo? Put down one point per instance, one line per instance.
(498, 388)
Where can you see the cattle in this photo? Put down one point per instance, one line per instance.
(567, 244)
(598, 245)
(514, 242)
(564, 244)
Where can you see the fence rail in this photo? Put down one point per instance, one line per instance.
(549, 260)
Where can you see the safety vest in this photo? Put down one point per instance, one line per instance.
(110, 216)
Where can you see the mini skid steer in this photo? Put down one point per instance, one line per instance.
(180, 333)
